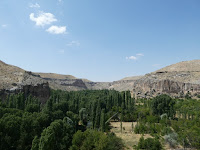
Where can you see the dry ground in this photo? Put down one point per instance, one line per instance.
(129, 138)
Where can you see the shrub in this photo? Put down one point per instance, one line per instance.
(149, 144)
(140, 128)
(166, 131)
(171, 139)
(91, 139)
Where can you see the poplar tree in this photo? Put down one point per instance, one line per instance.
(98, 113)
(103, 120)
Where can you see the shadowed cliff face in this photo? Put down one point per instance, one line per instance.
(41, 91)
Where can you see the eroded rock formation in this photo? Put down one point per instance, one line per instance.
(176, 80)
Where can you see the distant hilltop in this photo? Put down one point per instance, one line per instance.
(176, 80)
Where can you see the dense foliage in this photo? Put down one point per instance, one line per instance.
(91, 139)
(163, 104)
(80, 120)
(26, 124)
(174, 121)
(149, 144)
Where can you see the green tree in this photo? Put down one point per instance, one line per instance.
(149, 144)
(95, 140)
(98, 115)
(103, 120)
(9, 131)
(83, 116)
(50, 104)
(57, 136)
(35, 143)
(163, 104)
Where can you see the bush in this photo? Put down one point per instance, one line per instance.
(153, 119)
(91, 139)
(171, 139)
(166, 131)
(149, 144)
(140, 128)
(147, 128)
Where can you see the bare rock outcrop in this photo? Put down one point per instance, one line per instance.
(176, 80)
(14, 80)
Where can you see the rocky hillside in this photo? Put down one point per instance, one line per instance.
(176, 80)
(10, 76)
(55, 76)
(15, 80)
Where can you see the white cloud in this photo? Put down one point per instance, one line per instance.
(135, 57)
(57, 30)
(36, 5)
(76, 43)
(131, 58)
(60, 0)
(140, 54)
(43, 18)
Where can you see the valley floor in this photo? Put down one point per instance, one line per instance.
(129, 138)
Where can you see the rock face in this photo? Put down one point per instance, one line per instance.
(15, 80)
(10, 76)
(175, 80)
(41, 91)
(150, 88)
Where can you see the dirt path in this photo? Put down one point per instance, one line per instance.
(129, 138)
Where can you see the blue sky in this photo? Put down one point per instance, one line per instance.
(101, 40)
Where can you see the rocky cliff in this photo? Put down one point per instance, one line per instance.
(176, 80)
(15, 80)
